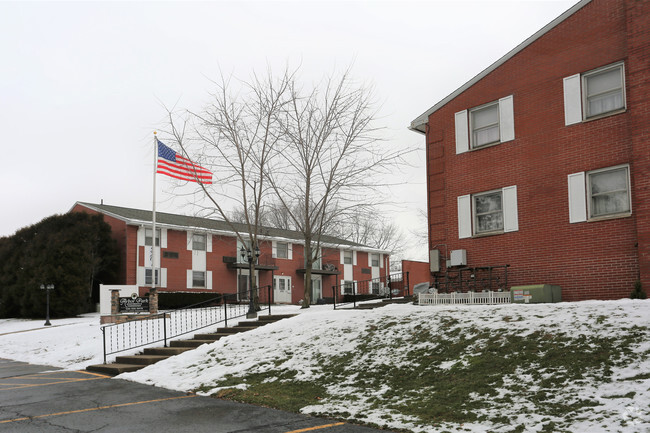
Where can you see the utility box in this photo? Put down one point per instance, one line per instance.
(535, 294)
(434, 261)
(458, 258)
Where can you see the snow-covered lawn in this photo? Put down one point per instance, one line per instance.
(364, 361)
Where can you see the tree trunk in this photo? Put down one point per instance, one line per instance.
(309, 261)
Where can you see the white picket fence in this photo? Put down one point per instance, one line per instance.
(469, 298)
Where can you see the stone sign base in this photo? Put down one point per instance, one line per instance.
(117, 317)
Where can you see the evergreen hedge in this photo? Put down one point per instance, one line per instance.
(74, 251)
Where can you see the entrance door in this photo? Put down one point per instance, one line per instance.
(282, 289)
(316, 290)
(243, 287)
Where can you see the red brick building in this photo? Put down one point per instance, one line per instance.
(202, 255)
(542, 161)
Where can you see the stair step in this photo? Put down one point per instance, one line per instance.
(114, 369)
(235, 329)
(167, 351)
(189, 343)
(212, 337)
(140, 359)
(274, 317)
(249, 324)
(370, 306)
(154, 354)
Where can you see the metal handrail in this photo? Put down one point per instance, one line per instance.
(384, 287)
(151, 329)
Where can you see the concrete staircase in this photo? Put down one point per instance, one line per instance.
(152, 355)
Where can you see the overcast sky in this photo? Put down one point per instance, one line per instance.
(82, 84)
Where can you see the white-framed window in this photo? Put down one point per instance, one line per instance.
(375, 288)
(374, 260)
(198, 242)
(488, 212)
(282, 250)
(198, 279)
(148, 237)
(486, 124)
(594, 94)
(347, 257)
(147, 276)
(601, 193)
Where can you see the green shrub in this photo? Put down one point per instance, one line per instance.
(638, 292)
(174, 300)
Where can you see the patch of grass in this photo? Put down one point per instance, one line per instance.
(282, 392)
(486, 369)
(290, 396)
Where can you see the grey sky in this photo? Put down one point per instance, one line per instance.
(82, 83)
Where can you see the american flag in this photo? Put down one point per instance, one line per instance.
(175, 165)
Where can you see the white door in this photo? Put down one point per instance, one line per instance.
(282, 290)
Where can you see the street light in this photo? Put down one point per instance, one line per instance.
(247, 254)
(47, 288)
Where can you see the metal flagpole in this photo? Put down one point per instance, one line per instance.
(153, 236)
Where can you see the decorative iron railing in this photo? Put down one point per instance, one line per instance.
(168, 325)
(389, 286)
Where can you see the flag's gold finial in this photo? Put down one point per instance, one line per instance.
(154, 133)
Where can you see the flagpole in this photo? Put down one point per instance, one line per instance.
(153, 236)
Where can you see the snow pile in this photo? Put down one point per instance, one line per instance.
(365, 344)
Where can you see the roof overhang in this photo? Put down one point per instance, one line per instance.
(420, 122)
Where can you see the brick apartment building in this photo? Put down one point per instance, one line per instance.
(542, 161)
(202, 255)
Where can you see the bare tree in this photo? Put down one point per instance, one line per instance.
(330, 162)
(235, 137)
(372, 229)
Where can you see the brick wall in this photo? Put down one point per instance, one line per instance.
(418, 272)
(590, 260)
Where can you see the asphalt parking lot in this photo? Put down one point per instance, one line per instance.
(39, 398)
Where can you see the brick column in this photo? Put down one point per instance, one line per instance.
(115, 302)
(153, 301)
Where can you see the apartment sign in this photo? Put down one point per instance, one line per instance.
(134, 304)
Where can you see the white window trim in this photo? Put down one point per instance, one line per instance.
(575, 95)
(475, 216)
(463, 127)
(580, 196)
(586, 75)
(467, 214)
(629, 195)
(473, 145)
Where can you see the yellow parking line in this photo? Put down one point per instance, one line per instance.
(318, 427)
(34, 385)
(94, 408)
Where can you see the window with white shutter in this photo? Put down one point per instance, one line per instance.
(489, 212)
(487, 124)
(594, 94)
(596, 194)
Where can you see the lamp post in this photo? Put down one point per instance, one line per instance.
(251, 255)
(47, 288)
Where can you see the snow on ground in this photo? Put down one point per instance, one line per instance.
(320, 332)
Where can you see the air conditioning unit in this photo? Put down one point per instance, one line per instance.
(458, 258)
